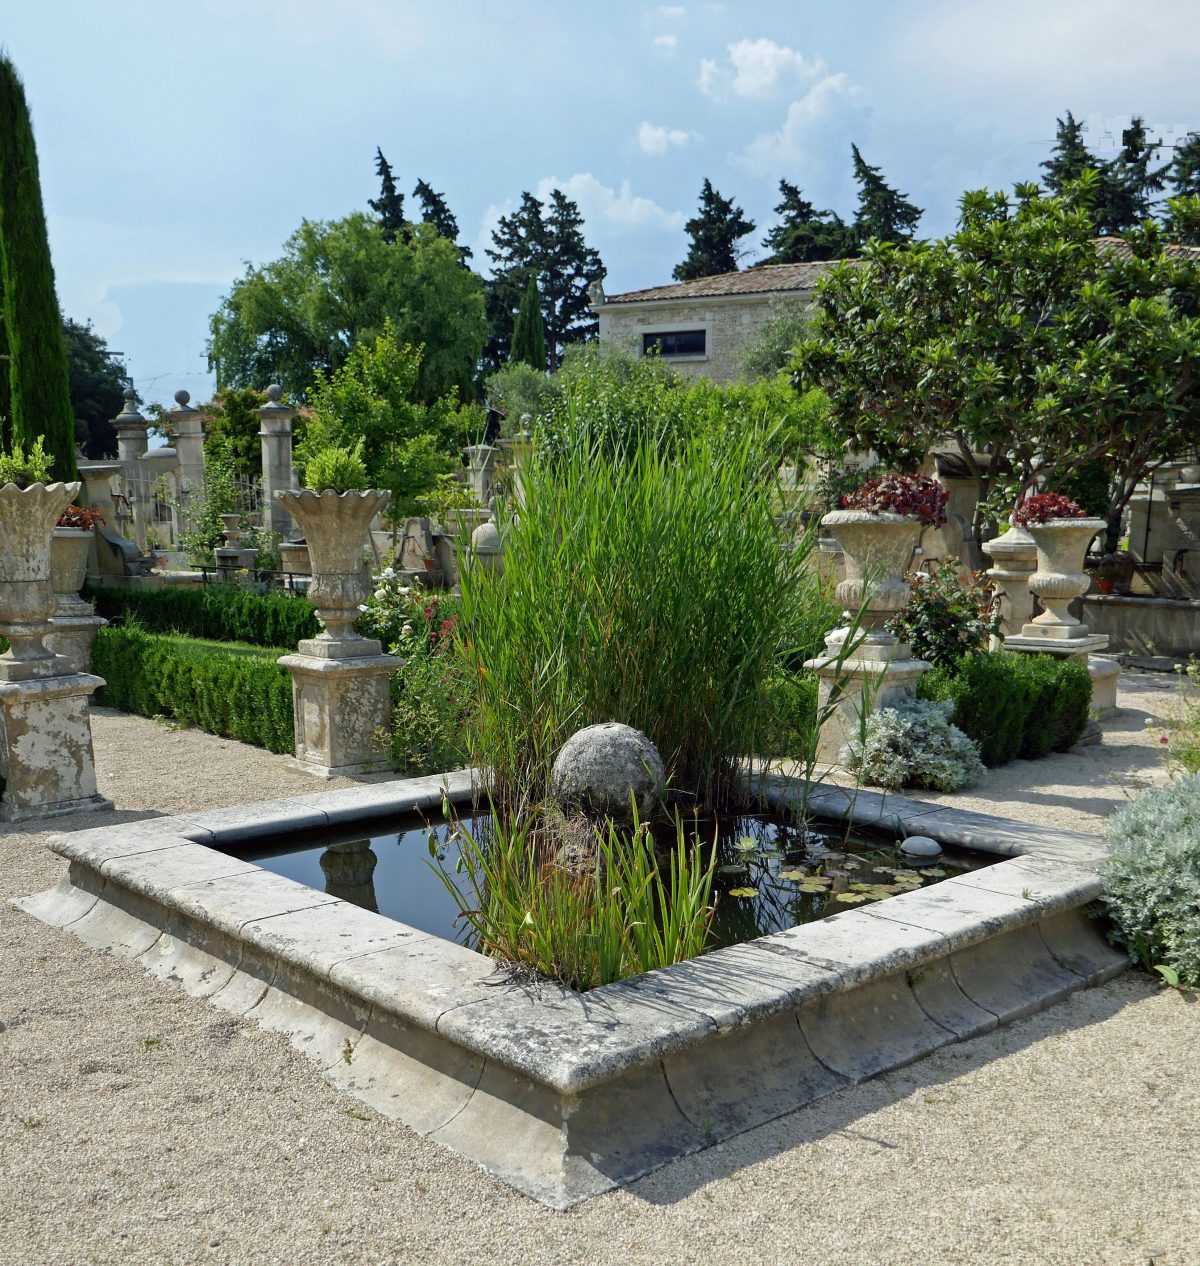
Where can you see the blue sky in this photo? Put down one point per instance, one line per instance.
(179, 140)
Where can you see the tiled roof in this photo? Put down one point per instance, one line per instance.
(765, 279)
(1120, 247)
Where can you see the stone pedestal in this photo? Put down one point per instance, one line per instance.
(278, 476)
(74, 624)
(349, 871)
(187, 426)
(340, 706)
(98, 494)
(481, 464)
(1015, 560)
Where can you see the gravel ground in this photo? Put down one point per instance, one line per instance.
(138, 1125)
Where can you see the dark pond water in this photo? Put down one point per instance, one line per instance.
(771, 874)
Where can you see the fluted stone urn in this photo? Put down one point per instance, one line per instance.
(74, 623)
(27, 601)
(865, 667)
(335, 527)
(340, 688)
(46, 761)
(1060, 578)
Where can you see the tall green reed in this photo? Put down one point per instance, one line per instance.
(645, 581)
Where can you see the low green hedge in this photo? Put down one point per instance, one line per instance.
(219, 612)
(1015, 705)
(235, 691)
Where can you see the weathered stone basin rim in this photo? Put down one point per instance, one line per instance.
(565, 1095)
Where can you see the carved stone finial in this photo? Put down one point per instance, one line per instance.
(274, 393)
(182, 397)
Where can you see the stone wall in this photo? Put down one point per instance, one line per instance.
(731, 324)
(1145, 626)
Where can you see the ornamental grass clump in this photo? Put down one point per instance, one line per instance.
(630, 910)
(913, 744)
(917, 496)
(643, 583)
(1152, 880)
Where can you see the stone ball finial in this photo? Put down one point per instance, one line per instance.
(130, 396)
(274, 393)
(182, 397)
(597, 768)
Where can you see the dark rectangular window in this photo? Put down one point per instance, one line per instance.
(675, 343)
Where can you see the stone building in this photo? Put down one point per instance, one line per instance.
(703, 327)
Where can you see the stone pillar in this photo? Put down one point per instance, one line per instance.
(46, 762)
(187, 426)
(98, 495)
(518, 451)
(277, 476)
(1015, 555)
(132, 444)
(481, 463)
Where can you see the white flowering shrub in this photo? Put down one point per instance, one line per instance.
(1152, 879)
(913, 744)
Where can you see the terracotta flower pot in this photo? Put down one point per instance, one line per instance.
(335, 527)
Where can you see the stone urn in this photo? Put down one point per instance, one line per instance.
(1060, 578)
(68, 569)
(335, 527)
(27, 601)
(877, 549)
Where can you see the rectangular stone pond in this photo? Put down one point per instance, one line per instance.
(565, 1095)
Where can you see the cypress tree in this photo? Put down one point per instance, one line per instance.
(529, 331)
(435, 211)
(38, 399)
(804, 233)
(1185, 169)
(1131, 182)
(883, 212)
(1069, 158)
(389, 206)
(715, 232)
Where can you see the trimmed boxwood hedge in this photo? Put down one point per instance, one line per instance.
(235, 691)
(1015, 705)
(221, 613)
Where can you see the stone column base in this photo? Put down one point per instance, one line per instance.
(340, 705)
(1063, 647)
(874, 675)
(71, 636)
(46, 760)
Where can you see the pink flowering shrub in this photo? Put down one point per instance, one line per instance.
(1043, 506)
(915, 495)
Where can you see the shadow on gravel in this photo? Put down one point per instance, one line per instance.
(838, 1113)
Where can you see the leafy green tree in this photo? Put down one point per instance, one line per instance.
(715, 233)
(771, 351)
(804, 233)
(1019, 343)
(548, 245)
(1131, 183)
(336, 285)
(389, 206)
(883, 212)
(374, 398)
(435, 211)
(231, 430)
(1069, 158)
(1182, 224)
(35, 398)
(529, 333)
(97, 384)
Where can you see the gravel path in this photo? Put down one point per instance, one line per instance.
(138, 1125)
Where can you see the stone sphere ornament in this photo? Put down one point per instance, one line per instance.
(598, 767)
(920, 850)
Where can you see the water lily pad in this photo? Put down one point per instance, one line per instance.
(812, 888)
(743, 892)
(733, 868)
(936, 871)
(851, 898)
(747, 844)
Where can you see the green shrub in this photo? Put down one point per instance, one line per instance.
(337, 469)
(1152, 879)
(943, 620)
(219, 613)
(991, 697)
(790, 707)
(649, 586)
(1015, 705)
(913, 744)
(234, 691)
(21, 468)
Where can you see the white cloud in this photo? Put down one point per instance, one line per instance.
(757, 68)
(619, 210)
(826, 111)
(665, 44)
(653, 139)
(671, 12)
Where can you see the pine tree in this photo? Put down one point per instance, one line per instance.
(1130, 183)
(548, 245)
(883, 212)
(1069, 158)
(389, 206)
(529, 331)
(38, 398)
(804, 233)
(715, 233)
(1185, 169)
(435, 211)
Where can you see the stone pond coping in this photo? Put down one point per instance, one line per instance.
(565, 1095)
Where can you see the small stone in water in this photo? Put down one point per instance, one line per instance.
(920, 848)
